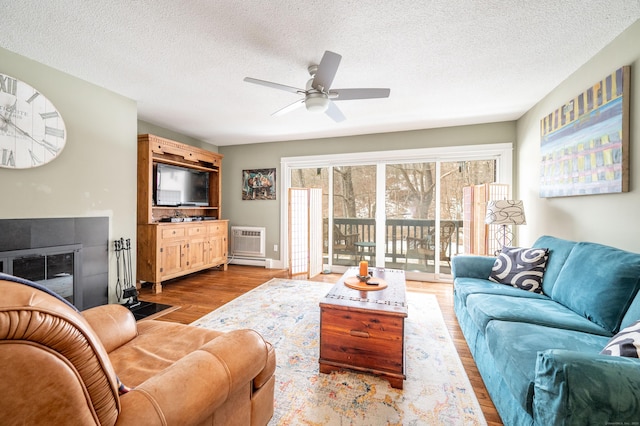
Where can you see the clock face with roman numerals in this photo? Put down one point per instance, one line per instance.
(32, 132)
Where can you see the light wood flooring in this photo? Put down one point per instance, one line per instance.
(194, 297)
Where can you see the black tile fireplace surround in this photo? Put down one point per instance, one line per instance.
(87, 238)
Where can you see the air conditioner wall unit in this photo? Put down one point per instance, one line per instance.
(248, 241)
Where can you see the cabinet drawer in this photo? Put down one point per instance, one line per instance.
(172, 232)
(197, 230)
(370, 340)
(217, 229)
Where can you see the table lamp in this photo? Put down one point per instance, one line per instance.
(505, 212)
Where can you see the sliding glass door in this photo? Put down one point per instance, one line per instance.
(353, 215)
(424, 212)
(410, 195)
(403, 213)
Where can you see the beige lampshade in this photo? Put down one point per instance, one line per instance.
(505, 212)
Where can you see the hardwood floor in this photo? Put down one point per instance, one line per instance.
(196, 297)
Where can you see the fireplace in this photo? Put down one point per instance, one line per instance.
(67, 255)
(57, 268)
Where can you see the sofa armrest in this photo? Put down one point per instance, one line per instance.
(190, 390)
(469, 266)
(575, 388)
(114, 324)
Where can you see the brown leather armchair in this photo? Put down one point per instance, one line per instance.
(59, 366)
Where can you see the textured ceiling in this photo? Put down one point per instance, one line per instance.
(447, 62)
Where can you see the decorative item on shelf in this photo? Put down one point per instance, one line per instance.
(504, 213)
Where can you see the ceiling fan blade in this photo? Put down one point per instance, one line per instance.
(273, 85)
(351, 94)
(289, 108)
(326, 71)
(334, 112)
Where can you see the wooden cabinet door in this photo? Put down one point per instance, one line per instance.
(198, 253)
(217, 249)
(172, 257)
(218, 243)
(198, 246)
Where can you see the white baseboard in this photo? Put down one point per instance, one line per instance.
(254, 261)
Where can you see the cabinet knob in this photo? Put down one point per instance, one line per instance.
(358, 333)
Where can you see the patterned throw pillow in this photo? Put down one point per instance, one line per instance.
(520, 267)
(625, 343)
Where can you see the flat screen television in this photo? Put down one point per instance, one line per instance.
(180, 186)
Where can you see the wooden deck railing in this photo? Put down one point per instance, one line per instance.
(397, 231)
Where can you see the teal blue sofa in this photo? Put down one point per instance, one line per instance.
(539, 354)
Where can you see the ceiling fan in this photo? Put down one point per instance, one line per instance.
(318, 95)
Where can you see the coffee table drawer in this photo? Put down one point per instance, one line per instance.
(362, 339)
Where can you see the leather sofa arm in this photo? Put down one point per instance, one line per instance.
(468, 266)
(576, 388)
(190, 390)
(114, 324)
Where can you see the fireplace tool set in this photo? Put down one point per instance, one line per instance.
(124, 282)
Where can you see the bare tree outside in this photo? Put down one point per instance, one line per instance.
(410, 190)
(411, 187)
(354, 191)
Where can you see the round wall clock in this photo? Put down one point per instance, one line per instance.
(32, 132)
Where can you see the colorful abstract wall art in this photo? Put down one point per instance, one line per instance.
(584, 144)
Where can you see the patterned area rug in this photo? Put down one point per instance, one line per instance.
(286, 312)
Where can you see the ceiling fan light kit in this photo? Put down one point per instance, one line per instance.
(317, 96)
(316, 102)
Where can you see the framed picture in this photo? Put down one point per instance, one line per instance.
(259, 184)
(584, 144)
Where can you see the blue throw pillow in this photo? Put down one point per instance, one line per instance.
(625, 343)
(520, 267)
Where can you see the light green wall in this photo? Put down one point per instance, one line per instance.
(267, 155)
(610, 219)
(95, 175)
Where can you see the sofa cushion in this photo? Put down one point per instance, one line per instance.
(559, 250)
(598, 282)
(625, 343)
(483, 308)
(515, 345)
(520, 267)
(463, 287)
(159, 345)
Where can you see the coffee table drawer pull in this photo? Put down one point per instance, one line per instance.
(358, 333)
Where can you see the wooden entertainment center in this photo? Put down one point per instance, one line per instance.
(181, 239)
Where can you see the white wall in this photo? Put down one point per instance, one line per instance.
(95, 174)
(610, 219)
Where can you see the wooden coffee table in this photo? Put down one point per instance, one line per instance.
(364, 330)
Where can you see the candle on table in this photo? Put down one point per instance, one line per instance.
(364, 268)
